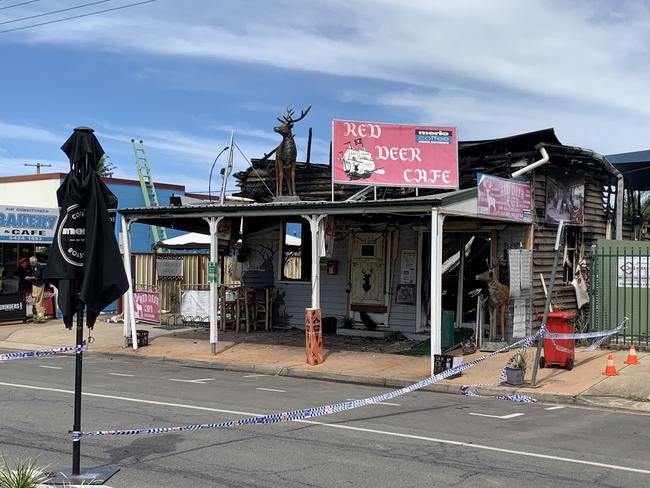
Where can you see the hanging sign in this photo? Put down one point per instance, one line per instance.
(27, 224)
(371, 154)
(195, 305)
(147, 306)
(565, 197)
(503, 199)
(169, 267)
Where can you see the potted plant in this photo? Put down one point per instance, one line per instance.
(516, 369)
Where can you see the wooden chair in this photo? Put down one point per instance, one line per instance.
(227, 309)
(243, 309)
(262, 308)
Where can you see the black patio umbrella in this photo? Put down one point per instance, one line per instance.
(85, 257)
(84, 261)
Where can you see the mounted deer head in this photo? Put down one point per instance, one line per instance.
(366, 280)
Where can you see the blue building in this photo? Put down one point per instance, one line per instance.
(35, 195)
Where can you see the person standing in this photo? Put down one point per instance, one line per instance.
(38, 288)
(22, 273)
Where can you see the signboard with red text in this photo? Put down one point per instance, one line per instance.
(503, 199)
(371, 154)
(147, 306)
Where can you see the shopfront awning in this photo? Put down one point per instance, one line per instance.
(635, 167)
(194, 240)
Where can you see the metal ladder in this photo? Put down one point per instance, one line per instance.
(147, 186)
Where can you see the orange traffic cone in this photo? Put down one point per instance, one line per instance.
(610, 370)
(632, 358)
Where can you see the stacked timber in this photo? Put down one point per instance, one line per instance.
(313, 183)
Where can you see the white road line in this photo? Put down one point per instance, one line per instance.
(121, 374)
(500, 417)
(271, 389)
(49, 367)
(558, 407)
(434, 440)
(253, 375)
(199, 381)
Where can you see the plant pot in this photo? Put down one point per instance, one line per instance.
(515, 376)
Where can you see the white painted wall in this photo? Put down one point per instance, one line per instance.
(40, 193)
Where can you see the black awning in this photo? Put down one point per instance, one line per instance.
(635, 167)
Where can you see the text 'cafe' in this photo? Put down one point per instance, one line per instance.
(24, 232)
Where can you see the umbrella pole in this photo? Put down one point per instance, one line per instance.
(76, 444)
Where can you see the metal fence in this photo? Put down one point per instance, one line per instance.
(619, 287)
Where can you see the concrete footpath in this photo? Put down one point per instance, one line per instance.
(584, 385)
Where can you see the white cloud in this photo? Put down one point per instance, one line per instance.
(177, 156)
(491, 68)
(16, 166)
(570, 50)
(10, 131)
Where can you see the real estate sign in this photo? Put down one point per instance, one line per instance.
(372, 154)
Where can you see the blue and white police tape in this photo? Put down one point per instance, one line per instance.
(306, 413)
(602, 334)
(470, 390)
(10, 356)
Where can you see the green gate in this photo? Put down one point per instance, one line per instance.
(619, 287)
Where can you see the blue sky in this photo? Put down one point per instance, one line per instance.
(181, 75)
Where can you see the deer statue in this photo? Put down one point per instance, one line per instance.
(286, 153)
(498, 300)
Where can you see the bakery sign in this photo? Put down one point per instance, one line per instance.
(27, 224)
(374, 154)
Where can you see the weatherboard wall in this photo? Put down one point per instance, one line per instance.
(290, 298)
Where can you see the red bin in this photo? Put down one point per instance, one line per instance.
(559, 323)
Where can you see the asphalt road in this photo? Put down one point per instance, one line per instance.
(417, 440)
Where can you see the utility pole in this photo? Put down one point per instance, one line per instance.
(227, 169)
(38, 166)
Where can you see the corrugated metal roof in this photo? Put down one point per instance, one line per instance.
(303, 206)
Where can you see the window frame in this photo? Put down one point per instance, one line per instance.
(304, 249)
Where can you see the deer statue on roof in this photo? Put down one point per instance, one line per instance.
(286, 153)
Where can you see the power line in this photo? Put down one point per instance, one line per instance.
(77, 16)
(54, 12)
(7, 149)
(18, 4)
(253, 167)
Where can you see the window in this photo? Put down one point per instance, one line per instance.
(367, 250)
(296, 251)
(572, 253)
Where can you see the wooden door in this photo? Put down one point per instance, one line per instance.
(367, 273)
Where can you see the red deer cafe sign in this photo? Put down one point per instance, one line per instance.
(371, 154)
